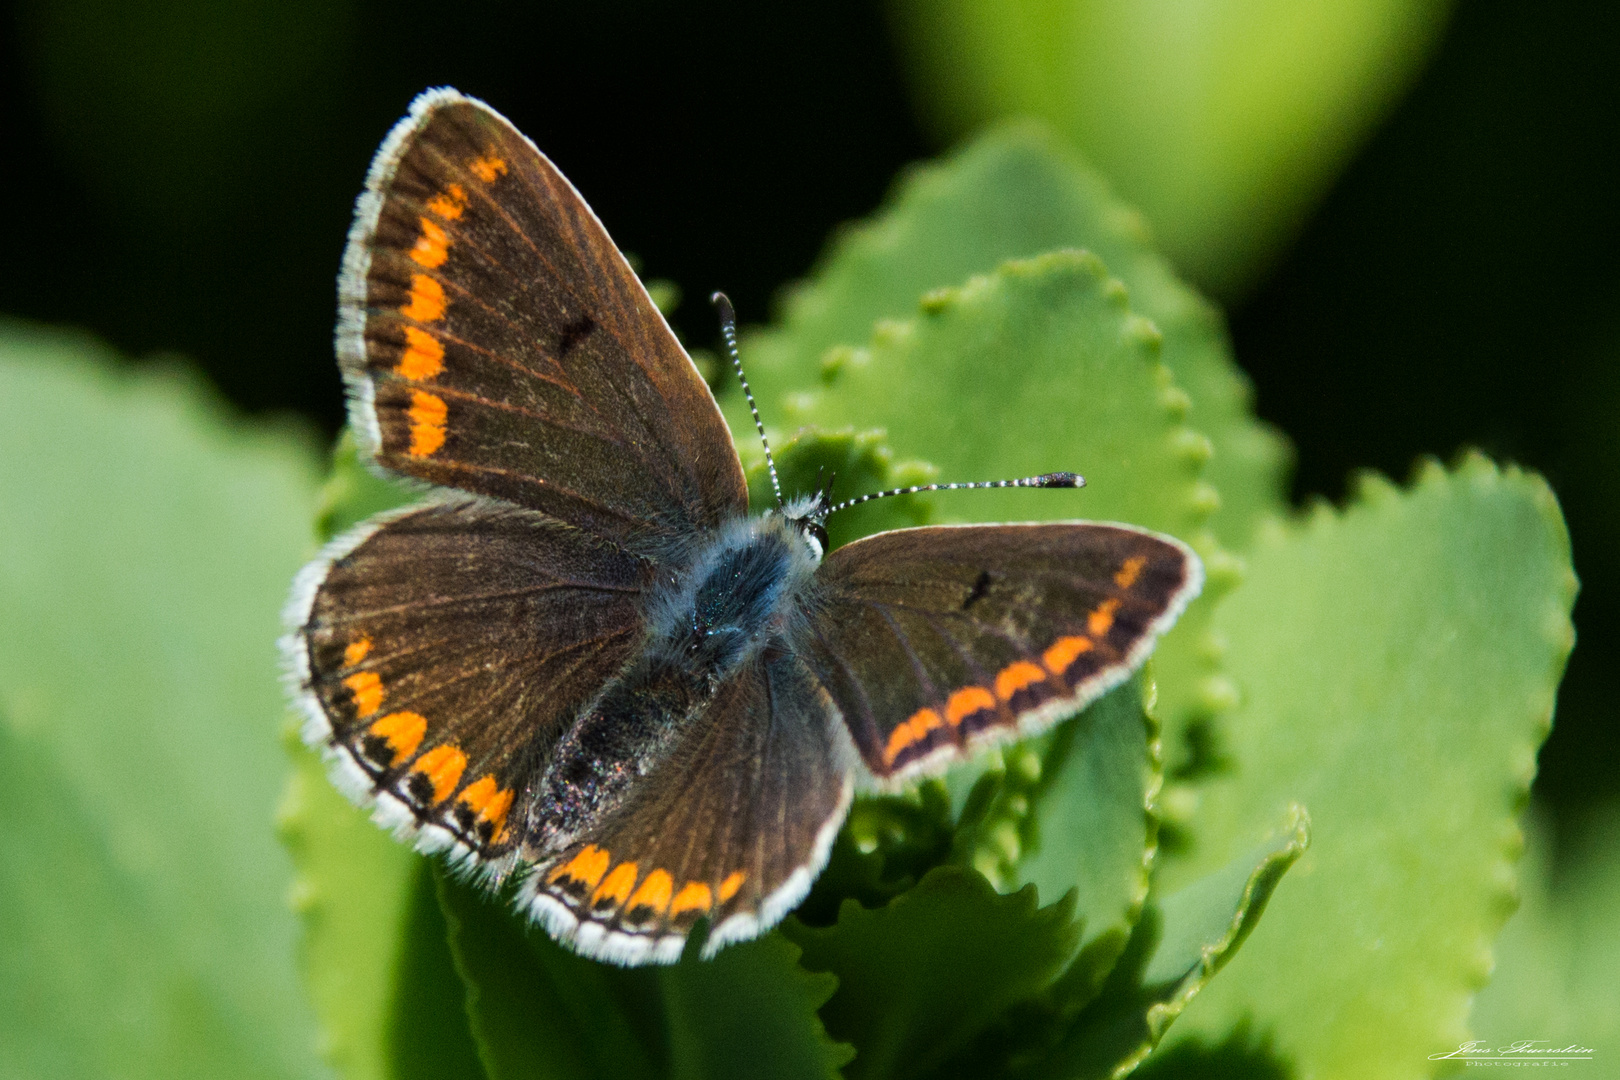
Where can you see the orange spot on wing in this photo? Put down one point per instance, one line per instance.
(403, 732)
(729, 887)
(654, 892)
(366, 686)
(1128, 573)
(488, 167)
(424, 356)
(616, 887)
(588, 866)
(967, 701)
(427, 300)
(432, 247)
(910, 730)
(485, 798)
(356, 651)
(1063, 652)
(442, 765)
(1099, 621)
(694, 896)
(1014, 677)
(450, 203)
(427, 414)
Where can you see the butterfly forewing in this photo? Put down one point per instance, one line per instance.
(446, 651)
(496, 341)
(931, 640)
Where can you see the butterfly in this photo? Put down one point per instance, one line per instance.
(579, 664)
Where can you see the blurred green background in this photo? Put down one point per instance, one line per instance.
(1408, 210)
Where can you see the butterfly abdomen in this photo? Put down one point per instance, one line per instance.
(738, 596)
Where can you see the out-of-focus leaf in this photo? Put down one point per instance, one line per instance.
(1557, 977)
(1225, 120)
(148, 544)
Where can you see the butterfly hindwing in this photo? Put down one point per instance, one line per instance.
(494, 339)
(442, 654)
(931, 640)
(732, 827)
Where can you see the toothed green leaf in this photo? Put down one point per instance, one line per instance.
(1399, 662)
(1015, 193)
(539, 1011)
(1071, 810)
(921, 976)
(148, 541)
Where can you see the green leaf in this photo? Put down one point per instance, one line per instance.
(539, 1011)
(1015, 193)
(1042, 365)
(860, 461)
(1399, 662)
(1183, 941)
(374, 950)
(149, 540)
(1558, 957)
(1225, 120)
(354, 896)
(921, 976)
(1072, 811)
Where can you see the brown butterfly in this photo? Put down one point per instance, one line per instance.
(580, 661)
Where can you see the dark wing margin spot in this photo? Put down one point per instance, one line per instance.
(980, 586)
(573, 333)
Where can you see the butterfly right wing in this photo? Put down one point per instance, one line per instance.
(441, 652)
(732, 827)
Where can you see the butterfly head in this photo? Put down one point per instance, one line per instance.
(807, 514)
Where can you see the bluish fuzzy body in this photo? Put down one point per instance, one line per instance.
(744, 593)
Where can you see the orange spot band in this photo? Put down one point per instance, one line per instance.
(729, 887)
(910, 730)
(616, 886)
(432, 247)
(694, 896)
(967, 701)
(427, 414)
(1063, 652)
(654, 892)
(588, 866)
(450, 203)
(1015, 677)
(488, 167)
(366, 686)
(1099, 621)
(403, 732)
(356, 651)
(424, 356)
(1128, 573)
(442, 765)
(427, 300)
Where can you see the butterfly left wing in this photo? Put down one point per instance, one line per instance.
(931, 640)
(732, 827)
(495, 340)
(440, 653)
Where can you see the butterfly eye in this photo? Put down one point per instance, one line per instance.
(817, 533)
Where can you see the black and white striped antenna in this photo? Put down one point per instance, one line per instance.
(728, 327)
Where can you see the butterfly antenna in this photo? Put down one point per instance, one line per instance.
(728, 328)
(1045, 480)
